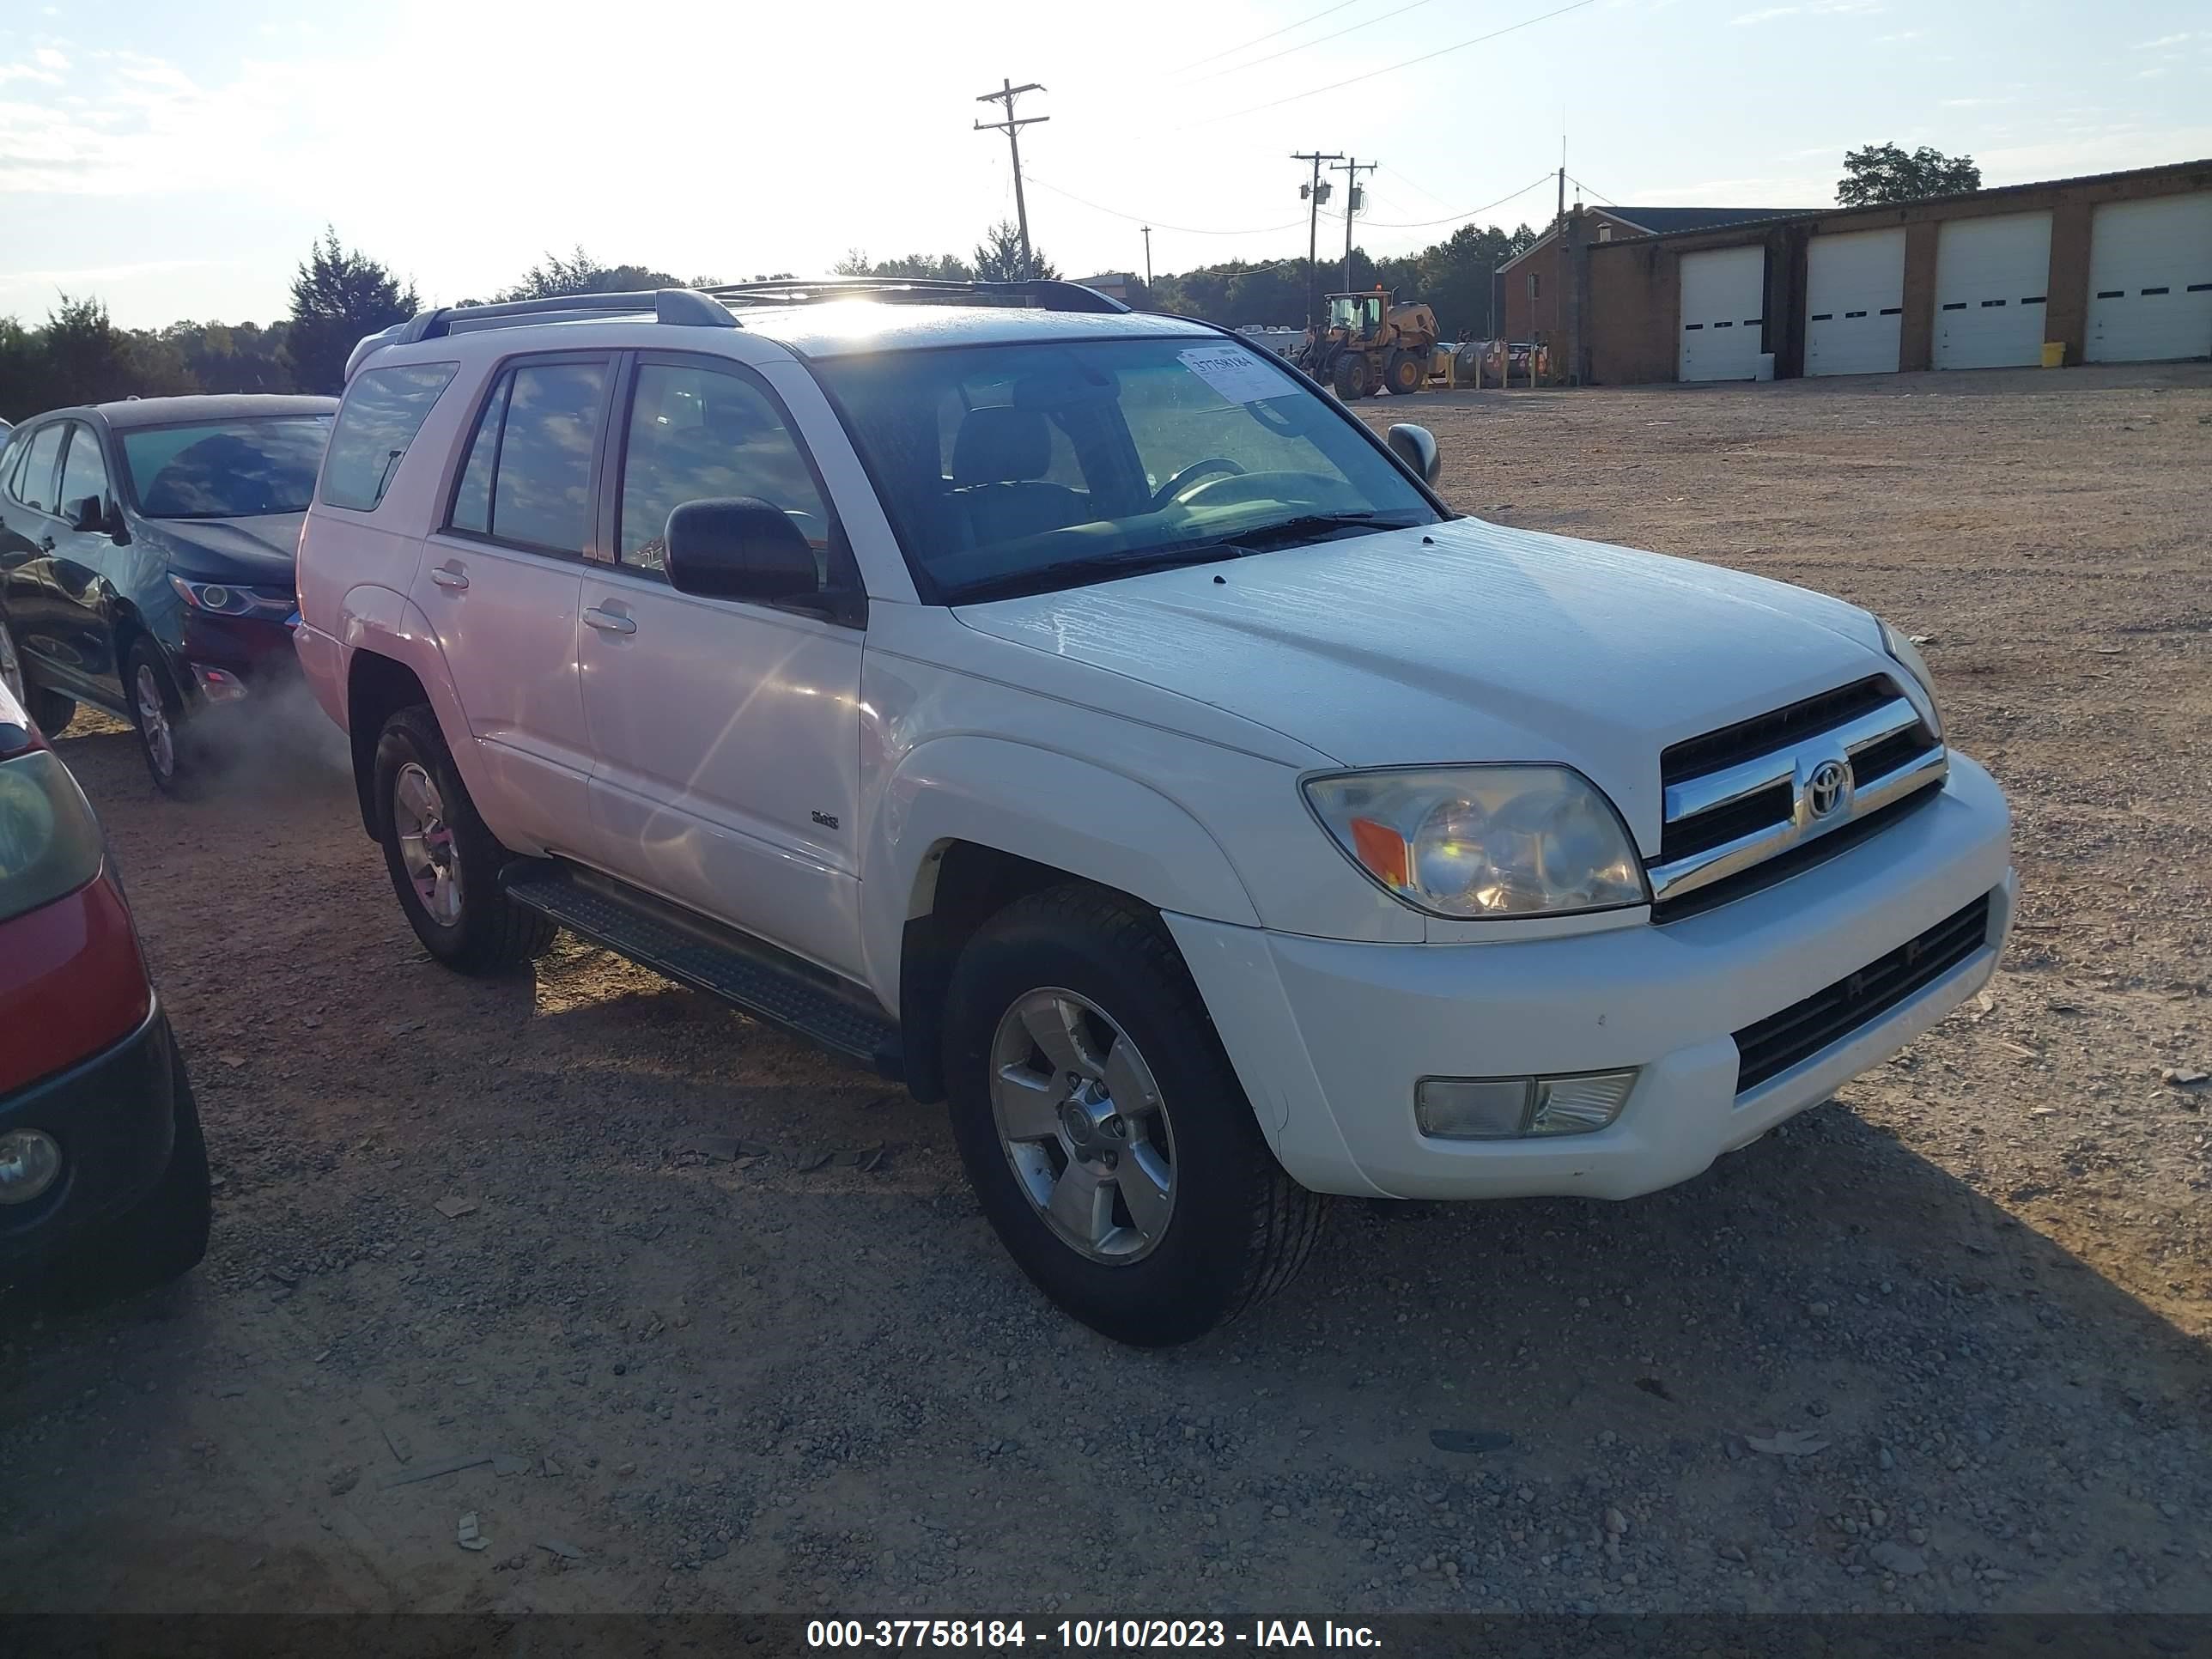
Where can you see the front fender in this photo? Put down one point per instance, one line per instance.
(1041, 804)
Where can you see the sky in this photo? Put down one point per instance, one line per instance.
(177, 161)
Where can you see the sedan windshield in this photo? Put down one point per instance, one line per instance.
(226, 469)
(1011, 469)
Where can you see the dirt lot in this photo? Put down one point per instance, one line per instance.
(1981, 1277)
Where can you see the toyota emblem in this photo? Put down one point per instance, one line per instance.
(1826, 788)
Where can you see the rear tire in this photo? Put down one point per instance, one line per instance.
(444, 862)
(1407, 373)
(162, 1237)
(1225, 1229)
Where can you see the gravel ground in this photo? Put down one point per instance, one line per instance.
(1974, 1294)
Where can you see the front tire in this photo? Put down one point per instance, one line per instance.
(1351, 378)
(157, 712)
(1105, 1134)
(444, 862)
(162, 1237)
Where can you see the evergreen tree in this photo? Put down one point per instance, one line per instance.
(339, 296)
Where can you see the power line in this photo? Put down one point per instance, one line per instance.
(1392, 68)
(1544, 178)
(1600, 194)
(1229, 52)
(1157, 224)
(1319, 39)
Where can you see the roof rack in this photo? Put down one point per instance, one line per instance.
(1045, 293)
(709, 307)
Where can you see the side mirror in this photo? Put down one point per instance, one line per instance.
(1417, 447)
(85, 512)
(739, 549)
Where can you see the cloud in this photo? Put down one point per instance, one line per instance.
(1900, 36)
(2165, 40)
(36, 69)
(65, 279)
(1974, 103)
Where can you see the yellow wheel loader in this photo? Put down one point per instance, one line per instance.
(1372, 341)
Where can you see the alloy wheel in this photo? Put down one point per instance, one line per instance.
(426, 844)
(153, 721)
(1082, 1125)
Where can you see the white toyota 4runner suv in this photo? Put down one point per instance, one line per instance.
(1083, 718)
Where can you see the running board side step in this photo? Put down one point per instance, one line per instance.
(750, 975)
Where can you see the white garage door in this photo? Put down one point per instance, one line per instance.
(1990, 275)
(2150, 280)
(1855, 302)
(1724, 305)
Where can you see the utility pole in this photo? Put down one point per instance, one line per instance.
(1352, 168)
(1315, 193)
(1148, 257)
(1006, 93)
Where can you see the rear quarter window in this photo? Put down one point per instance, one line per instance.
(384, 409)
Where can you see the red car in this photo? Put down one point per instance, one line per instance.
(103, 1173)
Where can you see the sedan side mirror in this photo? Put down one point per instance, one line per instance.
(85, 512)
(1417, 447)
(739, 549)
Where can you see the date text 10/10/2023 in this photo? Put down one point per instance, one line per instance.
(1086, 1635)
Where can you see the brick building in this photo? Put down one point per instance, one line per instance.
(2113, 268)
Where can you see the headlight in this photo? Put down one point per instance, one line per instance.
(1483, 841)
(1907, 657)
(230, 599)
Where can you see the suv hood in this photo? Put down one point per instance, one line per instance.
(1464, 642)
(257, 552)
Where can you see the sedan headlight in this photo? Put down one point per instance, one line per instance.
(1907, 656)
(233, 599)
(1478, 841)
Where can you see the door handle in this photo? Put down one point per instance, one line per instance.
(608, 621)
(447, 576)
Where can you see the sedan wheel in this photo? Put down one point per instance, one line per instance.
(154, 724)
(1082, 1125)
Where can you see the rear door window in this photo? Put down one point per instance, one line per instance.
(528, 477)
(384, 409)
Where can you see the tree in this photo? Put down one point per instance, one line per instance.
(999, 258)
(1884, 172)
(941, 268)
(339, 296)
(579, 273)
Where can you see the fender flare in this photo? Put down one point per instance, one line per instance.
(1052, 808)
(385, 622)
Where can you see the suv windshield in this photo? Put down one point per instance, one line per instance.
(1011, 469)
(226, 469)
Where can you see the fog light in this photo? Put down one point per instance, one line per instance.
(1507, 1108)
(218, 684)
(29, 1161)
(1473, 1108)
(1576, 1105)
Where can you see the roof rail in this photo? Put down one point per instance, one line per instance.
(1046, 294)
(682, 306)
(709, 307)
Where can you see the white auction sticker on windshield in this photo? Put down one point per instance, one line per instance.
(1235, 373)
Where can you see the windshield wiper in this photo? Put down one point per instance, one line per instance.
(1073, 573)
(1213, 549)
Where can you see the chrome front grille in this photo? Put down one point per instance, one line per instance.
(1737, 800)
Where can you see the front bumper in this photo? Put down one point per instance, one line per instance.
(1329, 1038)
(224, 658)
(115, 1117)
